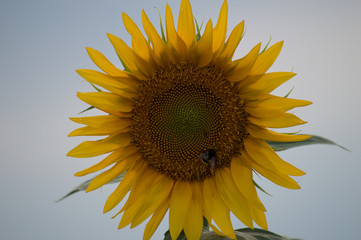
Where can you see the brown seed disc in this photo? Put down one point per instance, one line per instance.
(183, 111)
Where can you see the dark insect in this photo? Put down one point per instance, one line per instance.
(209, 157)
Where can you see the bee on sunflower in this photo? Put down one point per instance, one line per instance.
(187, 126)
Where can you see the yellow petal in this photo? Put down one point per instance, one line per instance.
(173, 38)
(136, 199)
(141, 187)
(232, 197)
(95, 121)
(137, 66)
(264, 155)
(117, 113)
(263, 84)
(159, 193)
(120, 192)
(104, 64)
(179, 207)
(266, 59)
(220, 30)
(160, 50)
(272, 106)
(89, 131)
(217, 209)
(259, 217)
(113, 172)
(155, 220)
(242, 177)
(216, 230)
(239, 69)
(105, 100)
(269, 135)
(107, 122)
(232, 43)
(104, 80)
(139, 43)
(276, 177)
(194, 220)
(95, 148)
(281, 121)
(264, 113)
(186, 29)
(114, 157)
(130, 212)
(278, 103)
(204, 45)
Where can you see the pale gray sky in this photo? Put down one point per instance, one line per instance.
(43, 42)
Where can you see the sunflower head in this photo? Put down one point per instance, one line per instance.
(187, 124)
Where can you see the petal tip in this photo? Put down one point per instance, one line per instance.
(78, 174)
(79, 71)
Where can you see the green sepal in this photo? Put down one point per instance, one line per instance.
(286, 96)
(95, 87)
(264, 49)
(281, 146)
(161, 27)
(125, 66)
(260, 188)
(198, 35)
(89, 108)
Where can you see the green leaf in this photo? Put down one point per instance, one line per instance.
(258, 234)
(241, 234)
(247, 234)
(281, 146)
(83, 186)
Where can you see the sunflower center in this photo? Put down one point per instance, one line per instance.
(188, 121)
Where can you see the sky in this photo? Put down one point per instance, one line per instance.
(42, 43)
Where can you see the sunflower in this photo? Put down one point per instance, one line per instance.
(187, 125)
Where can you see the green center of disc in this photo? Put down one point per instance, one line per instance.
(184, 115)
(185, 120)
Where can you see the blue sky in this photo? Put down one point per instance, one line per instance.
(43, 42)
